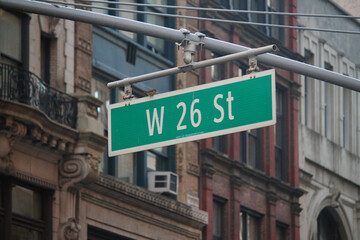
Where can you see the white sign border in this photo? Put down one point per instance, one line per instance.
(199, 136)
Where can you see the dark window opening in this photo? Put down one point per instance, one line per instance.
(131, 53)
(250, 227)
(328, 227)
(250, 148)
(218, 218)
(25, 211)
(95, 233)
(45, 59)
(281, 231)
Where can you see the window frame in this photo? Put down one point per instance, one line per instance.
(221, 202)
(284, 230)
(8, 218)
(245, 212)
(244, 148)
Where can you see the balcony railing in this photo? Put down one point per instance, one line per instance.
(25, 87)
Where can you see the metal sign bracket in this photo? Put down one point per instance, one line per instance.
(253, 67)
(128, 92)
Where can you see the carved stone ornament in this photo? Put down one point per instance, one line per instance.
(9, 132)
(78, 169)
(70, 230)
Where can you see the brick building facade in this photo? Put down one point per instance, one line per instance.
(249, 180)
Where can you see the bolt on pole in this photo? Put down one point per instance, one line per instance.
(215, 45)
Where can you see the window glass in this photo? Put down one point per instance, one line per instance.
(126, 167)
(45, 59)
(220, 143)
(10, 43)
(346, 117)
(156, 159)
(250, 148)
(250, 226)
(276, 6)
(218, 220)
(128, 15)
(156, 44)
(26, 202)
(19, 232)
(101, 92)
(308, 91)
(218, 70)
(328, 100)
(281, 232)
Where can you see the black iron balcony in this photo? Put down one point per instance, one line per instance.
(25, 87)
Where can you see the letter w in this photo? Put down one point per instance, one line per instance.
(155, 119)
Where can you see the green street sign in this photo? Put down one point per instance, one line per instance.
(199, 112)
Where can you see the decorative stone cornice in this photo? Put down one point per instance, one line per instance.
(32, 124)
(296, 209)
(160, 204)
(272, 198)
(236, 182)
(295, 90)
(78, 169)
(208, 170)
(10, 131)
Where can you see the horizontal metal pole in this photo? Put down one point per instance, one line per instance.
(215, 45)
(192, 66)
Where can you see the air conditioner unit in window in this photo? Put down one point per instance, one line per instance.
(163, 182)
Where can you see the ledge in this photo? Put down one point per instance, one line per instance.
(153, 202)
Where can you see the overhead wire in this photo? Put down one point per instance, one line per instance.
(222, 9)
(200, 18)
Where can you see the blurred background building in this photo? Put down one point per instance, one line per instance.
(250, 182)
(329, 126)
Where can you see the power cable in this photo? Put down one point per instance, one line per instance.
(223, 10)
(200, 18)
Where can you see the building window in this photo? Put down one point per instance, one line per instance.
(156, 45)
(25, 211)
(250, 148)
(250, 227)
(220, 144)
(276, 6)
(11, 48)
(346, 117)
(95, 233)
(45, 59)
(328, 104)
(218, 218)
(280, 136)
(308, 92)
(281, 231)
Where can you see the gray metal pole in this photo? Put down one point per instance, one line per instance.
(192, 66)
(215, 45)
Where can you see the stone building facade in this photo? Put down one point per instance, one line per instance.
(55, 182)
(329, 127)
